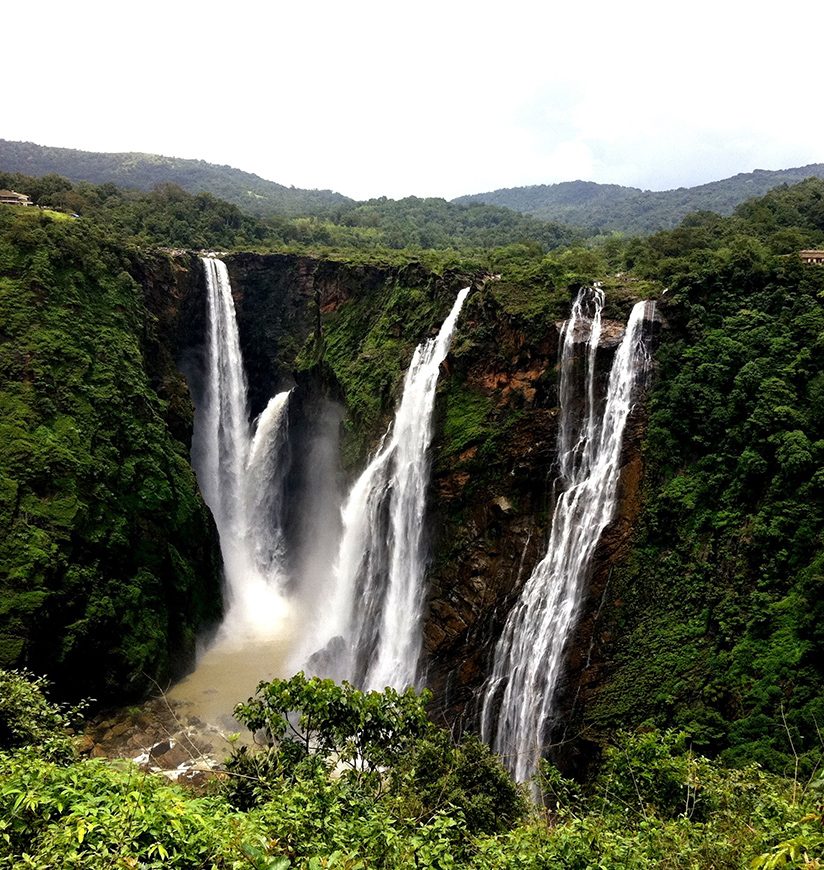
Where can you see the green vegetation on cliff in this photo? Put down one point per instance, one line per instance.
(368, 343)
(719, 625)
(519, 293)
(108, 563)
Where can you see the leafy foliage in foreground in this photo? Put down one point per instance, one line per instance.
(380, 743)
(653, 804)
(27, 718)
(364, 730)
(96, 815)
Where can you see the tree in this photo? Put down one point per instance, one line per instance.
(364, 730)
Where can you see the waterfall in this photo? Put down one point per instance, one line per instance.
(224, 434)
(370, 631)
(518, 697)
(266, 466)
(241, 470)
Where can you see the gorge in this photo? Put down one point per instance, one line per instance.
(112, 560)
(609, 495)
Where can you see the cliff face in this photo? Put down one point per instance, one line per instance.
(493, 505)
(109, 565)
(344, 334)
(490, 505)
(172, 292)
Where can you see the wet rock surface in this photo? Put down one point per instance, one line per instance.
(160, 737)
(490, 509)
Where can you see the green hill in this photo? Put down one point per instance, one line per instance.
(611, 207)
(171, 216)
(145, 171)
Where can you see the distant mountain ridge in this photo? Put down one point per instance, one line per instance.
(249, 192)
(592, 207)
(612, 207)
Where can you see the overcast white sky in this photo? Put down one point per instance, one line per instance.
(426, 98)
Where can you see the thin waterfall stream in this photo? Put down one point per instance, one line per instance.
(518, 697)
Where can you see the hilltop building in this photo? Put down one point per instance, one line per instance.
(815, 257)
(12, 197)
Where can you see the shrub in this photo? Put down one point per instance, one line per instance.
(28, 718)
(467, 779)
(92, 815)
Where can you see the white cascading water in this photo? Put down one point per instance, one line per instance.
(518, 697)
(241, 471)
(370, 632)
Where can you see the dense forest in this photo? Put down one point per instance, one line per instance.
(719, 628)
(702, 728)
(170, 216)
(105, 551)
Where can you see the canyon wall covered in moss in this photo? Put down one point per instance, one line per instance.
(110, 564)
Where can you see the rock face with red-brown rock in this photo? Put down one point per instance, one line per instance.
(493, 504)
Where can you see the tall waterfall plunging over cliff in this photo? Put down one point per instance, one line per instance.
(241, 472)
(370, 632)
(518, 697)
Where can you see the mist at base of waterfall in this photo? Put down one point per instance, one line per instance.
(265, 618)
(242, 467)
(257, 608)
(369, 630)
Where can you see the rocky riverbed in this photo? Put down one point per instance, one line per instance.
(162, 737)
